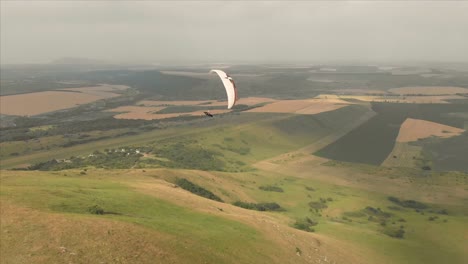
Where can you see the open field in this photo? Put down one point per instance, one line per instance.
(201, 75)
(415, 129)
(312, 106)
(375, 139)
(246, 100)
(42, 102)
(151, 110)
(330, 169)
(146, 214)
(359, 91)
(404, 154)
(136, 112)
(428, 90)
(447, 154)
(411, 99)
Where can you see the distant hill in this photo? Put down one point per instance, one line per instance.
(78, 61)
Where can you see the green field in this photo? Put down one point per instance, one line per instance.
(79, 186)
(375, 139)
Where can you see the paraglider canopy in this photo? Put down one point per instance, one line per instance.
(229, 85)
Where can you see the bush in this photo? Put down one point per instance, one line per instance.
(305, 224)
(427, 168)
(407, 203)
(354, 214)
(195, 189)
(443, 212)
(259, 206)
(396, 233)
(96, 209)
(271, 188)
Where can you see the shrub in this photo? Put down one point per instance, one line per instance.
(394, 208)
(396, 233)
(443, 212)
(427, 168)
(407, 203)
(96, 209)
(354, 214)
(271, 188)
(195, 189)
(259, 206)
(305, 224)
(318, 205)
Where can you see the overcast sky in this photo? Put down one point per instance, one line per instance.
(222, 31)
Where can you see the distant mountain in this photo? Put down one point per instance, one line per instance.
(78, 61)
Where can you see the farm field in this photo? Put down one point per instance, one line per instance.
(299, 107)
(315, 164)
(30, 104)
(390, 98)
(414, 129)
(429, 90)
(151, 110)
(376, 138)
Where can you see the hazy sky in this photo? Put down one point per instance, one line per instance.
(222, 31)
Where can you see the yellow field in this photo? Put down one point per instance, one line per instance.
(43, 102)
(147, 113)
(310, 107)
(146, 109)
(247, 101)
(414, 129)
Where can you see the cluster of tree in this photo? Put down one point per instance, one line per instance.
(196, 189)
(305, 224)
(369, 210)
(111, 160)
(320, 204)
(71, 143)
(407, 203)
(259, 206)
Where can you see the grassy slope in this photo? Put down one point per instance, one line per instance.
(440, 240)
(211, 239)
(352, 187)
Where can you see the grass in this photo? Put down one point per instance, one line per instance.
(216, 239)
(448, 153)
(342, 193)
(420, 234)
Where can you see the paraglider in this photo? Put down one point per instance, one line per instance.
(230, 87)
(208, 114)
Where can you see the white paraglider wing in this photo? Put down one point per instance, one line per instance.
(229, 85)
